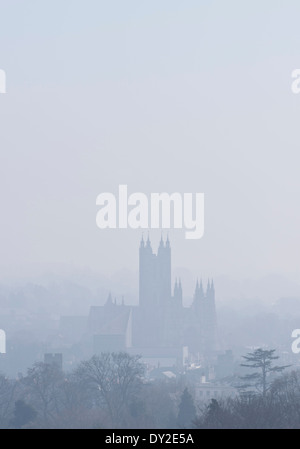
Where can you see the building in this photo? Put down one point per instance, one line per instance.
(111, 327)
(161, 319)
(205, 391)
(160, 327)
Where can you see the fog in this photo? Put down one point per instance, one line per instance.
(173, 97)
(187, 97)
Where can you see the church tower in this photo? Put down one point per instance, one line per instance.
(210, 325)
(163, 273)
(154, 275)
(163, 321)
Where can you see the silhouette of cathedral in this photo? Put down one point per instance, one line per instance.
(163, 319)
(160, 324)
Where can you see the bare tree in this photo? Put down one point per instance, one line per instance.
(76, 405)
(241, 412)
(7, 399)
(115, 377)
(42, 390)
(286, 390)
(216, 415)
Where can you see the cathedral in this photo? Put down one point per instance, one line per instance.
(160, 324)
(163, 320)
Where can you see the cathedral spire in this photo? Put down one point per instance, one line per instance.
(178, 292)
(109, 300)
(148, 245)
(175, 287)
(208, 287)
(168, 242)
(161, 243)
(212, 290)
(196, 294)
(201, 289)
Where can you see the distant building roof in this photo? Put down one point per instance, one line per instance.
(109, 320)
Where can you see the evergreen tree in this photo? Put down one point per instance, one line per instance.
(262, 360)
(187, 410)
(23, 414)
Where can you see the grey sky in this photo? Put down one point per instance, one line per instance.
(170, 96)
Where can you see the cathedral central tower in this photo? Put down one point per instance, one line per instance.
(154, 275)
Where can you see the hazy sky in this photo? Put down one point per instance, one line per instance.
(187, 96)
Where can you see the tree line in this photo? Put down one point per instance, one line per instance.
(111, 391)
